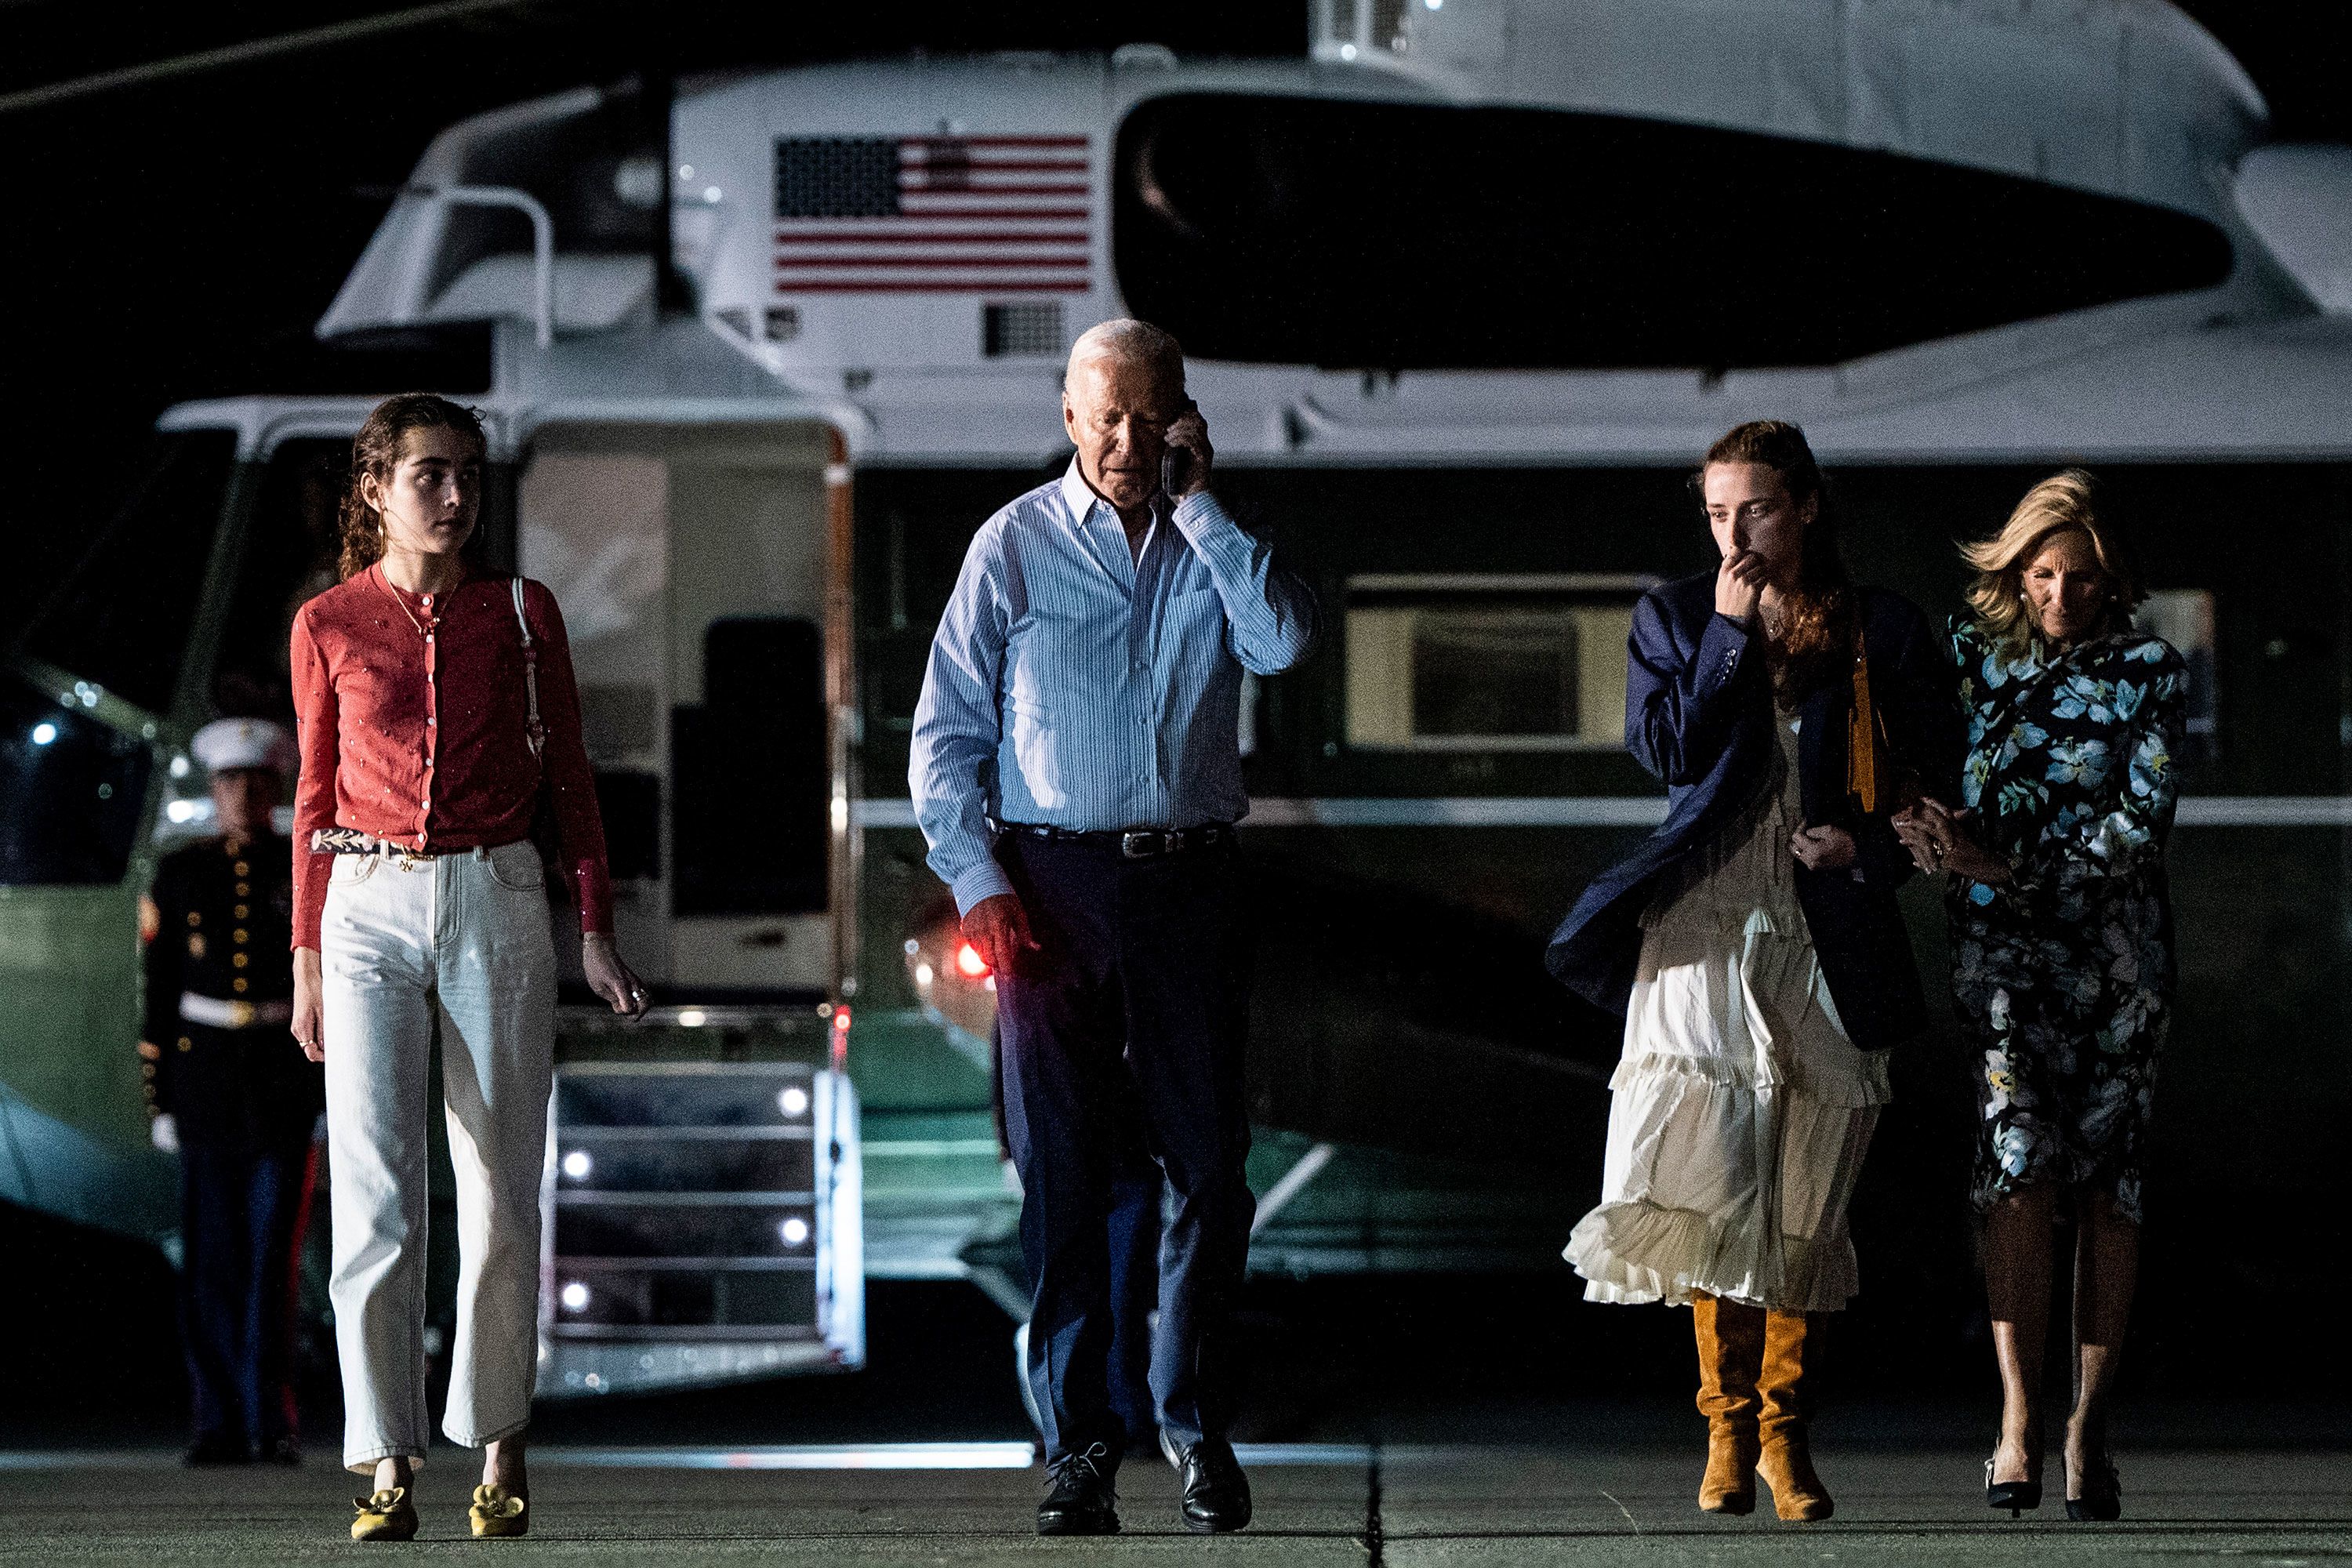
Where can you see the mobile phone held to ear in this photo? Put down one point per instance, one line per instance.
(1176, 462)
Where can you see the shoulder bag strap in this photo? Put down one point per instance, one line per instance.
(1862, 734)
(534, 732)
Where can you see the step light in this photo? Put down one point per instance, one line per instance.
(794, 1231)
(576, 1164)
(793, 1101)
(575, 1297)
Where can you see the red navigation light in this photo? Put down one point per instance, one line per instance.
(841, 1020)
(969, 963)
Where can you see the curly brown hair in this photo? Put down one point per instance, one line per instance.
(376, 450)
(1818, 629)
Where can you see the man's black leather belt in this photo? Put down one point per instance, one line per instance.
(1133, 843)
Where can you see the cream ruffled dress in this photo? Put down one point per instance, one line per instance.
(1741, 1110)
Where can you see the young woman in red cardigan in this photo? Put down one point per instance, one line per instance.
(436, 702)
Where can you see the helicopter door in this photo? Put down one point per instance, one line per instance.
(690, 564)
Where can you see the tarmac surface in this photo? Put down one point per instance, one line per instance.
(1317, 1504)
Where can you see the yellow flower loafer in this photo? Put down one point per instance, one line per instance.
(499, 1512)
(387, 1515)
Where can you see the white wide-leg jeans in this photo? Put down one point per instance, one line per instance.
(468, 934)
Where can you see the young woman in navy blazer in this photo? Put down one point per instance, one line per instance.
(1753, 945)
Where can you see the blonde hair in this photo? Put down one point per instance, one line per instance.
(2065, 502)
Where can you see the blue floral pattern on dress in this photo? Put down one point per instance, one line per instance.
(2063, 976)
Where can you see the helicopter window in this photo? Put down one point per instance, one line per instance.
(74, 786)
(122, 620)
(599, 172)
(759, 728)
(1487, 663)
(1278, 230)
(290, 556)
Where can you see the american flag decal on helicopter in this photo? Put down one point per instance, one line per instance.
(932, 215)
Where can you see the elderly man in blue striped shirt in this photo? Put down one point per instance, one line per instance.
(1076, 771)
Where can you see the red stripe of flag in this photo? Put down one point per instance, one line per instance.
(937, 236)
(909, 286)
(946, 264)
(997, 165)
(854, 258)
(934, 215)
(968, 188)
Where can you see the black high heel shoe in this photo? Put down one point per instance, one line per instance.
(2014, 1496)
(2102, 1500)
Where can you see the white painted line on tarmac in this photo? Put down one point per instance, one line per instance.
(902, 1457)
(785, 1457)
(1277, 1455)
(801, 1456)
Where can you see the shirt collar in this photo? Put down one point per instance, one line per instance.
(1077, 495)
(1080, 499)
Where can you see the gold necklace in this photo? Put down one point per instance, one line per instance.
(385, 584)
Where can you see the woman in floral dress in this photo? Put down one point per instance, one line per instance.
(2061, 943)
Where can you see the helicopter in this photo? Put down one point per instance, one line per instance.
(1464, 293)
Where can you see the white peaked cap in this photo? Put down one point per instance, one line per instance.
(226, 743)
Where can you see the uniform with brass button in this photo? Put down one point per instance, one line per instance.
(233, 1095)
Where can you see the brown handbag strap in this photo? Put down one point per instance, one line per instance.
(1862, 758)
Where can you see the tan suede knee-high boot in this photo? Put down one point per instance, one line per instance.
(1730, 1359)
(1787, 1458)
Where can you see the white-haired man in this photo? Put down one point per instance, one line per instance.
(1076, 771)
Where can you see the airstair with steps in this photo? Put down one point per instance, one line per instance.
(704, 1214)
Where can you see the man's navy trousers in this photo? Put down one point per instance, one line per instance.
(1143, 970)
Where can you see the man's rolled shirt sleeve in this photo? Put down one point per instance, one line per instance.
(1269, 612)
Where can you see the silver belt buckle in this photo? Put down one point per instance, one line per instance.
(1131, 845)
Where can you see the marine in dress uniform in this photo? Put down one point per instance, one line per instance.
(233, 1095)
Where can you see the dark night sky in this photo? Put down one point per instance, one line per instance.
(175, 239)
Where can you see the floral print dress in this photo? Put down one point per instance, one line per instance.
(2063, 976)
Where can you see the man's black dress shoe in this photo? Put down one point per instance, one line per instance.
(1082, 1501)
(1216, 1492)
